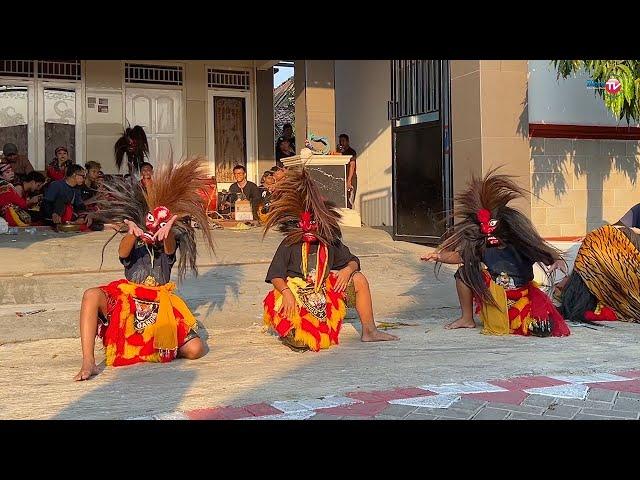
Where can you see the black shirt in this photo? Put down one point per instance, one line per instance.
(250, 191)
(137, 266)
(352, 152)
(507, 260)
(632, 218)
(287, 261)
(58, 195)
(292, 143)
(280, 155)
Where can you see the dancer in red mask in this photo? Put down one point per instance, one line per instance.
(497, 246)
(140, 318)
(312, 270)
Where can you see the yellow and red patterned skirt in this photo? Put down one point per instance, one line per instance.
(318, 314)
(144, 324)
(520, 311)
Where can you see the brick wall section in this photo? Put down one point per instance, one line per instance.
(582, 184)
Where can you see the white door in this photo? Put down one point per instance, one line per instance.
(60, 121)
(39, 116)
(18, 117)
(159, 112)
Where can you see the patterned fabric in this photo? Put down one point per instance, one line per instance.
(608, 264)
(520, 311)
(144, 324)
(318, 315)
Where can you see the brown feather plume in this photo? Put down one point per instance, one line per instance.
(175, 186)
(295, 194)
(493, 193)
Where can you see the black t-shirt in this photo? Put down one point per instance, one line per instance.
(137, 266)
(287, 261)
(632, 218)
(292, 143)
(280, 155)
(507, 266)
(251, 192)
(352, 152)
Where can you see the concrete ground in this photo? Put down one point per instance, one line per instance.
(40, 353)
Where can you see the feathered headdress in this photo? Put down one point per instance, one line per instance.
(487, 221)
(299, 211)
(133, 143)
(174, 191)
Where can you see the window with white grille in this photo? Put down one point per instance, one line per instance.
(16, 68)
(141, 73)
(46, 69)
(137, 73)
(232, 79)
(61, 70)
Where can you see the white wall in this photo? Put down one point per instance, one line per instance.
(362, 92)
(565, 101)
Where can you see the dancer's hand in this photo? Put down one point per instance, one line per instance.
(163, 232)
(558, 265)
(342, 279)
(430, 257)
(288, 304)
(134, 229)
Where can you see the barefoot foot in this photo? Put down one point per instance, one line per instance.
(377, 336)
(460, 323)
(86, 372)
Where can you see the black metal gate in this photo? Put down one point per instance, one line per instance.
(422, 164)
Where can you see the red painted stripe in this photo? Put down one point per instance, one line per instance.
(593, 132)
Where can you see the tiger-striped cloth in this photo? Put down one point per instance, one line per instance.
(609, 265)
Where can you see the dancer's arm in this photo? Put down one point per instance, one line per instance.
(443, 257)
(288, 300)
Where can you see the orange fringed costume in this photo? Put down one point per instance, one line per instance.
(145, 320)
(147, 324)
(320, 309)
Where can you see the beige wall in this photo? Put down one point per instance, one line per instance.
(466, 143)
(490, 120)
(362, 92)
(299, 82)
(582, 184)
(105, 77)
(265, 122)
(315, 100)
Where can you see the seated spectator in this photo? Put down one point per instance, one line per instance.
(62, 201)
(13, 207)
(20, 163)
(146, 174)
(266, 174)
(58, 166)
(265, 199)
(243, 190)
(278, 173)
(284, 150)
(287, 135)
(89, 188)
(30, 188)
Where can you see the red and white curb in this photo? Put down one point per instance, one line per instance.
(369, 404)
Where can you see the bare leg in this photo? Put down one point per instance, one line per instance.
(192, 349)
(364, 307)
(465, 296)
(93, 300)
